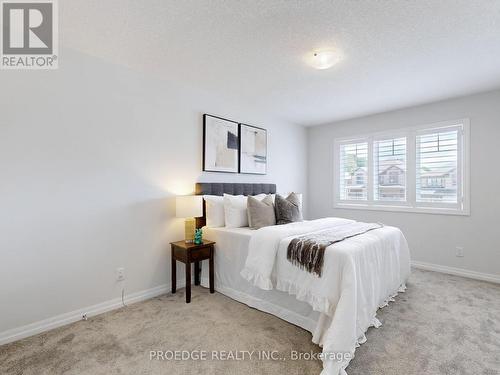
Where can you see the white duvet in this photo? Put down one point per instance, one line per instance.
(359, 275)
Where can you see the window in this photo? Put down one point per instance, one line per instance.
(437, 163)
(389, 162)
(353, 171)
(422, 169)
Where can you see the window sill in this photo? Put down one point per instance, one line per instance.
(421, 210)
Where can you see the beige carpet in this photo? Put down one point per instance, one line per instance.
(441, 325)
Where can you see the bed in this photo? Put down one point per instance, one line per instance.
(360, 275)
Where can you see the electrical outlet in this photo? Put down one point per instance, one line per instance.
(459, 252)
(120, 274)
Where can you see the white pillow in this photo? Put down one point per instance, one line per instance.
(214, 205)
(235, 210)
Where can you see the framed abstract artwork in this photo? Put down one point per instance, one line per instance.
(220, 145)
(253, 150)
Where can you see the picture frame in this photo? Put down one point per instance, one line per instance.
(220, 145)
(252, 150)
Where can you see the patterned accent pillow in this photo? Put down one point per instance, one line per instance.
(261, 212)
(287, 210)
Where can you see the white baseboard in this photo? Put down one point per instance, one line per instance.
(74, 316)
(457, 271)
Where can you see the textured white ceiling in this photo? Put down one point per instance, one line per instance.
(397, 53)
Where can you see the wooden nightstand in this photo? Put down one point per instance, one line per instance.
(188, 253)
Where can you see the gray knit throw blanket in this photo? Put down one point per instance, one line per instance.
(308, 251)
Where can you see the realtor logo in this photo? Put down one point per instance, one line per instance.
(29, 34)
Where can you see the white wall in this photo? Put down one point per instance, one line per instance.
(432, 238)
(90, 158)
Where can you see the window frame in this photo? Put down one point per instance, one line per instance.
(355, 201)
(462, 207)
(385, 136)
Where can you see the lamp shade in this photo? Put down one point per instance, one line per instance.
(188, 206)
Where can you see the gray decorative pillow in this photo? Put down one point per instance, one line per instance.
(287, 210)
(260, 212)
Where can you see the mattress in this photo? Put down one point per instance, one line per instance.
(231, 252)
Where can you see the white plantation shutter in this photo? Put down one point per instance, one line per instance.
(418, 169)
(389, 164)
(353, 178)
(437, 169)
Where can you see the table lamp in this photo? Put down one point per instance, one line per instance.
(188, 207)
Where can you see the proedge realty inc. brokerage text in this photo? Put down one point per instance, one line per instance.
(244, 355)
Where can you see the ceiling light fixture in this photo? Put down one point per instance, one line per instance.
(325, 59)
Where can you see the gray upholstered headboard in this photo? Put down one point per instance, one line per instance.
(215, 188)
